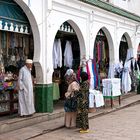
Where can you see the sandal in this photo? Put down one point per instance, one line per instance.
(84, 131)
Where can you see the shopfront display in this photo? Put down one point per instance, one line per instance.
(16, 45)
(8, 94)
(66, 54)
(14, 50)
(101, 57)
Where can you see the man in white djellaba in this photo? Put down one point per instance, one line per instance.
(25, 94)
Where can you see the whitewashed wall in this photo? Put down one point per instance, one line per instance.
(47, 16)
(129, 5)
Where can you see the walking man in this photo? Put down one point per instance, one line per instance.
(25, 95)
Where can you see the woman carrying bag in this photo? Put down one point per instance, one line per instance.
(70, 105)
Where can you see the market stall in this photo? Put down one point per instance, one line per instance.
(16, 45)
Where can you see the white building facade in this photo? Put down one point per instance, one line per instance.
(87, 18)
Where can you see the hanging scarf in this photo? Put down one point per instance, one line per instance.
(98, 51)
(88, 72)
(94, 73)
(104, 53)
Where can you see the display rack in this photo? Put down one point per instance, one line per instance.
(8, 101)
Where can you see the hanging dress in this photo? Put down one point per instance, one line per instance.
(68, 55)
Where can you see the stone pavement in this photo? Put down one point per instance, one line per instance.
(44, 122)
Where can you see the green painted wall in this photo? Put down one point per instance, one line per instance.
(43, 98)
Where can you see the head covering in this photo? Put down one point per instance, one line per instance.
(29, 61)
(69, 72)
(84, 76)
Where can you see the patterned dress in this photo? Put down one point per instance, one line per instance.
(82, 106)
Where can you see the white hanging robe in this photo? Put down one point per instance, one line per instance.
(57, 54)
(126, 79)
(25, 95)
(68, 55)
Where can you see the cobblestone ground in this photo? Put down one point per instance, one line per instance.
(120, 125)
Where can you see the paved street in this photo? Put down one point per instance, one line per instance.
(120, 125)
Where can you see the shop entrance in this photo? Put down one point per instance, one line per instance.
(16, 45)
(101, 57)
(66, 54)
(123, 49)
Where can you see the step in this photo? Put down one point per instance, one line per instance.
(11, 123)
(14, 122)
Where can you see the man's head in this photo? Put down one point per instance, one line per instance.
(29, 63)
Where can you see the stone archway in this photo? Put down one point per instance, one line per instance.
(125, 45)
(36, 39)
(68, 37)
(103, 53)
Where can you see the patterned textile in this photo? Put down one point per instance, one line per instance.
(73, 89)
(82, 106)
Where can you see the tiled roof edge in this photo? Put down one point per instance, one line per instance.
(108, 7)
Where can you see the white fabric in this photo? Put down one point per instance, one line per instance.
(68, 55)
(129, 54)
(126, 79)
(91, 99)
(57, 54)
(118, 67)
(99, 99)
(111, 87)
(91, 74)
(111, 71)
(25, 95)
(95, 96)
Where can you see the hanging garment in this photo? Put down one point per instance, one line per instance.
(68, 55)
(126, 79)
(111, 71)
(96, 97)
(57, 54)
(111, 87)
(99, 99)
(89, 63)
(91, 99)
(129, 54)
(56, 92)
(98, 51)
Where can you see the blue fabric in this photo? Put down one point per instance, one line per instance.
(11, 12)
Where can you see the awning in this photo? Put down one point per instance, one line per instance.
(12, 17)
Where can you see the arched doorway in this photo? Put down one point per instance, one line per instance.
(67, 56)
(101, 56)
(16, 45)
(123, 49)
(128, 71)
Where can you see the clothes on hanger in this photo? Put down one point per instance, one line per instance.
(68, 55)
(57, 54)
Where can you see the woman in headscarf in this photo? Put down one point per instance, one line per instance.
(73, 88)
(83, 104)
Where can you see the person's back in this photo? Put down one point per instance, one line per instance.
(83, 104)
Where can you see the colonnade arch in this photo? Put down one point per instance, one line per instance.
(68, 37)
(125, 44)
(103, 51)
(36, 39)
